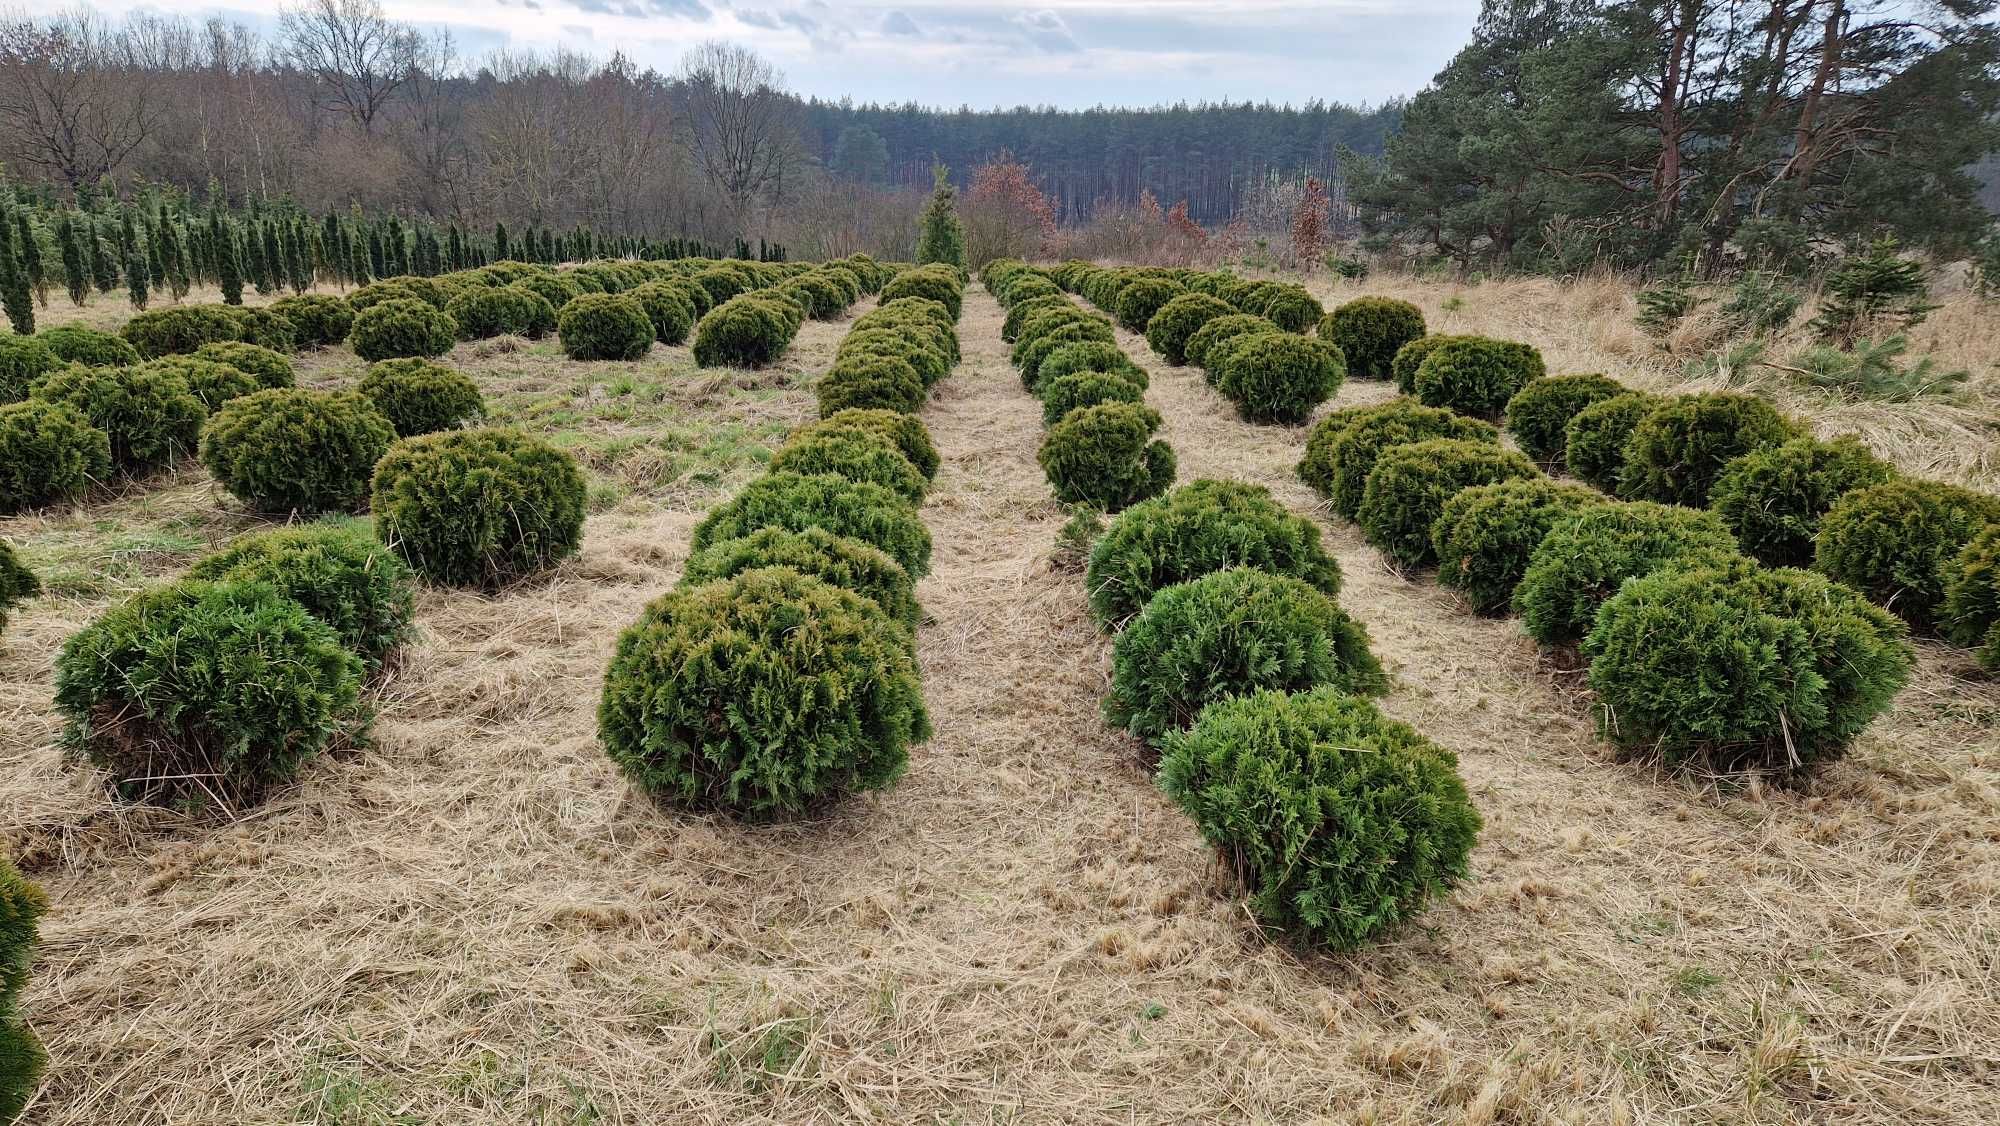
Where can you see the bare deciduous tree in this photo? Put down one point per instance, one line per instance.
(354, 51)
(75, 99)
(740, 122)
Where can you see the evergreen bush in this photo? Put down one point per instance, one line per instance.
(1587, 556)
(401, 327)
(212, 382)
(1679, 448)
(1476, 377)
(1141, 299)
(1773, 498)
(22, 905)
(68, 344)
(1594, 441)
(913, 347)
(937, 283)
(151, 415)
(262, 327)
(17, 585)
(856, 456)
(669, 307)
(1279, 377)
(742, 332)
(843, 561)
(1084, 389)
(1216, 331)
(1292, 309)
(479, 508)
(270, 368)
(1539, 414)
(337, 572)
(295, 450)
(1484, 536)
(1178, 320)
(49, 454)
(1087, 355)
(1896, 542)
(607, 326)
(1369, 331)
(486, 311)
(317, 320)
(865, 382)
(869, 513)
(1971, 614)
(1105, 456)
(905, 431)
(1408, 488)
(420, 396)
(1411, 356)
(183, 328)
(1357, 445)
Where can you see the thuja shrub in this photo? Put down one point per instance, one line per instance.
(24, 361)
(1774, 498)
(404, 288)
(1586, 557)
(150, 414)
(1021, 314)
(1084, 389)
(317, 320)
(856, 456)
(295, 450)
(669, 307)
(271, 368)
(1089, 355)
(49, 454)
(22, 905)
(1292, 308)
(744, 332)
(1230, 633)
(205, 693)
(1896, 542)
(1315, 468)
(337, 572)
(606, 326)
(264, 328)
(1484, 536)
(1410, 484)
(1138, 301)
(69, 344)
(843, 561)
(556, 289)
(17, 585)
(935, 282)
(211, 381)
(1369, 331)
(478, 508)
(1411, 356)
(1678, 449)
(869, 382)
(1594, 441)
(421, 396)
(401, 327)
(1357, 446)
(1280, 377)
(1341, 822)
(763, 695)
(1221, 328)
(1200, 528)
(1475, 377)
(925, 357)
(1743, 667)
(1029, 354)
(1178, 320)
(1105, 456)
(869, 513)
(1026, 286)
(1539, 414)
(723, 282)
(1971, 613)
(905, 431)
(486, 311)
(1046, 321)
(182, 328)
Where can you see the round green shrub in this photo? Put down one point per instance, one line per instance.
(17, 585)
(1088, 355)
(1026, 287)
(766, 694)
(1774, 498)
(201, 693)
(183, 328)
(1141, 299)
(870, 382)
(1020, 314)
(1586, 556)
(606, 326)
(270, 368)
(1105, 456)
(1029, 354)
(1678, 449)
(486, 311)
(24, 360)
(742, 332)
(1369, 331)
(1594, 441)
(1484, 536)
(1743, 667)
(1315, 468)
(1292, 309)
(1357, 446)
(1341, 822)
(1084, 389)
(723, 282)
(1230, 633)
(1279, 377)
(1539, 414)
(338, 573)
(293, 450)
(317, 320)
(421, 396)
(1408, 488)
(930, 362)
(556, 289)
(262, 327)
(856, 456)
(1200, 528)
(151, 416)
(1971, 613)
(479, 508)
(937, 284)
(869, 513)
(212, 381)
(1411, 356)
(906, 432)
(70, 344)
(404, 288)
(669, 307)
(1474, 376)
(401, 327)
(49, 454)
(1216, 331)
(1178, 320)
(1046, 320)
(1896, 542)
(843, 561)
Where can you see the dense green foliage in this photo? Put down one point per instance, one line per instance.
(1358, 441)
(400, 327)
(1219, 329)
(1141, 299)
(1773, 498)
(608, 326)
(1475, 376)
(869, 513)
(183, 328)
(1585, 557)
(317, 320)
(1594, 441)
(1971, 613)
(211, 382)
(483, 311)
(1408, 488)
(150, 414)
(17, 585)
(420, 396)
(745, 331)
(872, 458)
(1066, 393)
(1896, 542)
(1341, 822)
(1484, 536)
(294, 450)
(1279, 377)
(765, 694)
(671, 308)
(1678, 449)
(1369, 331)
(937, 283)
(337, 572)
(22, 905)
(1176, 322)
(1743, 666)
(1105, 456)
(906, 432)
(1194, 530)
(479, 508)
(1230, 633)
(860, 381)
(49, 454)
(1539, 414)
(71, 344)
(843, 561)
(271, 368)
(1089, 355)
(204, 692)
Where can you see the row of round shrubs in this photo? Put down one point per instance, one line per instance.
(1234, 663)
(1698, 654)
(780, 673)
(1100, 451)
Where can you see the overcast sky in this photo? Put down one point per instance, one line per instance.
(969, 52)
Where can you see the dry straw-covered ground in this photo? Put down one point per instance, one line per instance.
(473, 919)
